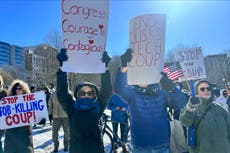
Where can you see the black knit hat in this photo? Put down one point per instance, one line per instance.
(78, 86)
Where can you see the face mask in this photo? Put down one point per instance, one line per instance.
(151, 90)
(86, 104)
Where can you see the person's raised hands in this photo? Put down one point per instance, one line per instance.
(106, 58)
(62, 56)
(126, 57)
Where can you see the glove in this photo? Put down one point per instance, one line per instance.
(166, 83)
(106, 58)
(126, 57)
(62, 56)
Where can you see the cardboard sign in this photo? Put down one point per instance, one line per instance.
(84, 33)
(21, 110)
(147, 39)
(192, 63)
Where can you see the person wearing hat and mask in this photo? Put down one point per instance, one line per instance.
(149, 123)
(3, 93)
(211, 122)
(84, 108)
(222, 99)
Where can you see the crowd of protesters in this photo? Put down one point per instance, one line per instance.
(202, 119)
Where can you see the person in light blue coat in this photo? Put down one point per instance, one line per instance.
(149, 123)
(119, 116)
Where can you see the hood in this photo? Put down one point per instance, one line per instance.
(78, 86)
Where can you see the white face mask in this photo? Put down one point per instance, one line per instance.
(178, 87)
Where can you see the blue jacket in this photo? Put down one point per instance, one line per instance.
(149, 123)
(118, 115)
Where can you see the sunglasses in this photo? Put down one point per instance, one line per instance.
(83, 93)
(18, 88)
(203, 88)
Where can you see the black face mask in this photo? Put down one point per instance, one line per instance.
(151, 90)
(225, 94)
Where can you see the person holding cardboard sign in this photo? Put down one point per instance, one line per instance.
(18, 139)
(149, 124)
(84, 108)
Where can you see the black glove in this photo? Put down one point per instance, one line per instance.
(126, 57)
(166, 83)
(62, 56)
(106, 58)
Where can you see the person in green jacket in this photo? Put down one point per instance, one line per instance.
(210, 121)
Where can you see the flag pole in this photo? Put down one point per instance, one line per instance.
(192, 87)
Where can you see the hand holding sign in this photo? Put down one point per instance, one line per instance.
(106, 58)
(126, 57)
(62, 56)
(166, 83)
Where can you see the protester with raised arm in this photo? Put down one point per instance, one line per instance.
(84, 108)
(149, 123)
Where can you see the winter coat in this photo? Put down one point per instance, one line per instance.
(149, 124)
(19, 140)
(118, 115)
(222, 99)
(177, 138)
(3, 93)
(212, 132)
(85, 132)
(55, 107)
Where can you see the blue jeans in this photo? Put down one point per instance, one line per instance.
(143, 150)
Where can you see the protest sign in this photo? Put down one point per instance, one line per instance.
(21, 110)
(147, 39)
(192, 63)
(84, 33)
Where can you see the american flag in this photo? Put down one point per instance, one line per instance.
(173, 70)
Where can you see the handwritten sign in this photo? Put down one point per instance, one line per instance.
(192, 63)
(84, 33)
(21, 110)
(147, 39)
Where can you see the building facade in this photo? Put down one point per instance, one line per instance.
(41, 64)
(218, 69)
(12, 60)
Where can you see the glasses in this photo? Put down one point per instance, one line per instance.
(203, 88)
(83, 93)
(18, 88)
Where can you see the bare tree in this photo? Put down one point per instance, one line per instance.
(54, 39)
(7, 77)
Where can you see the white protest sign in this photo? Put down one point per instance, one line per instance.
(192, 63)
(147, 39)
(84, 33)
(21, 110)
